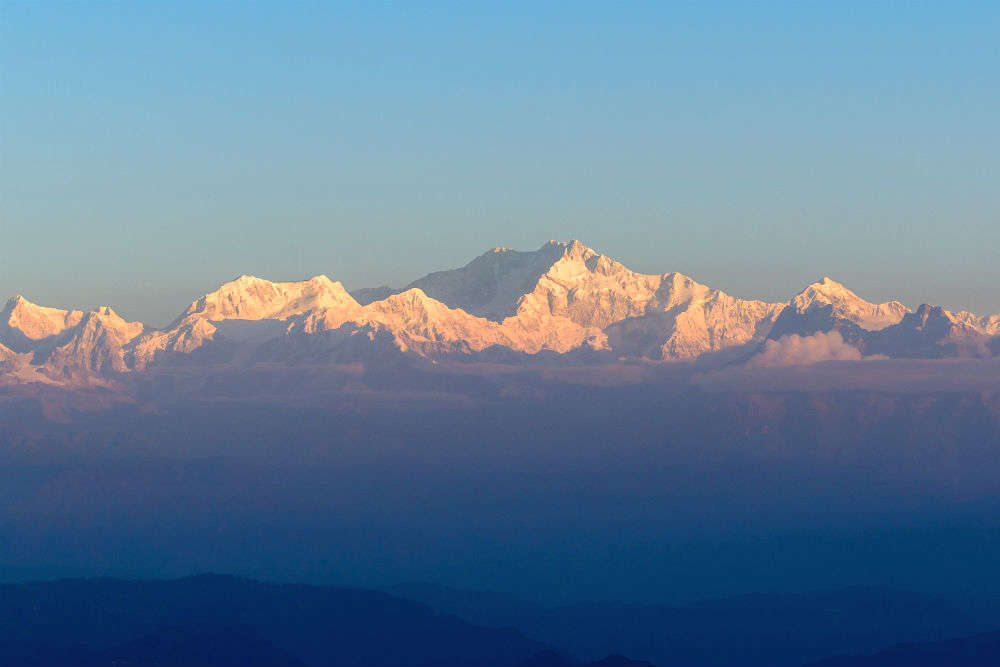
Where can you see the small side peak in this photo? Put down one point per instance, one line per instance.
(324, 283)
(679, 279)
(931, 309)
(413, 297)
(322, 279)
(578, 250)
(553, 245)
(20, 303)
(412, 293)
(244, 282)
(926, 312)
(827, 281)
(247, 279)
(827, 286)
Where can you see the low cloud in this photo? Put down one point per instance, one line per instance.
(794, 350)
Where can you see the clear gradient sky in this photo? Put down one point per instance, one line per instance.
(151, 151)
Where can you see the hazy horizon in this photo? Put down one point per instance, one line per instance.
(152, 153)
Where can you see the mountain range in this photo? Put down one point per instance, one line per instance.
(562, 301)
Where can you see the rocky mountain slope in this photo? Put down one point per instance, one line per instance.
(562, 298)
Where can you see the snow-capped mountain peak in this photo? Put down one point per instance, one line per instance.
(491, 285)
(846, 305)
(828, 290)
(252, 298)
(561, 297)
(37, 322)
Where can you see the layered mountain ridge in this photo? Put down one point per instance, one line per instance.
(564, 299)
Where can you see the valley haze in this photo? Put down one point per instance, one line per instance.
(542, 440)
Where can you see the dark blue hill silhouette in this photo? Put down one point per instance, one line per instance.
(199, 645)
(556, 659)
(203, 646)
(214, 620)
(982, 650)
(771, 629)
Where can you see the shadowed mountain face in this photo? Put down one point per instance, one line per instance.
(982, 650)
(218, 621)
(492, 284)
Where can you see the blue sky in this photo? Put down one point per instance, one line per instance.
(151, 151)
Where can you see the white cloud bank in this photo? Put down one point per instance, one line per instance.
(795, 350)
